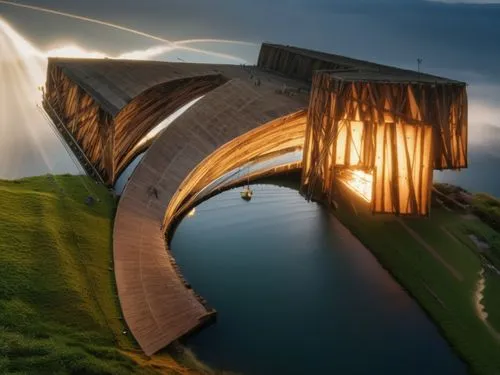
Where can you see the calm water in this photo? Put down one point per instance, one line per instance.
(297, 294)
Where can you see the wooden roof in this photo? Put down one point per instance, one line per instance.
(282, 59)
(391, 76)
(114, 83)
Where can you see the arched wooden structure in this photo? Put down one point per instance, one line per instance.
(108, 107)
(282, 135)
(210, 139)
(103, 108)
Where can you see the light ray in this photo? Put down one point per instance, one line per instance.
(209, 40)
(75, 51)
(146, 54)
(175, 45)
(23, 47)
(27, 142)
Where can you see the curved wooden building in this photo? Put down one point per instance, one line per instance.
(357, 115)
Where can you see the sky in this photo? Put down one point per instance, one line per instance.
(460, 40)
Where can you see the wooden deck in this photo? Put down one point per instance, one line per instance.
(156, 305)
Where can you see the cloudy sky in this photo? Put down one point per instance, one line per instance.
(448, 35)
(459, 39)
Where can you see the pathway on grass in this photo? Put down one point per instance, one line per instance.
(431, 250)
(480, 309)
(451, 235)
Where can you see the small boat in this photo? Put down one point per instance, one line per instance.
(246, 194)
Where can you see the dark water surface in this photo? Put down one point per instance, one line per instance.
(296, 293)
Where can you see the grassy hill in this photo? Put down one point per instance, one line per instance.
(59, 312)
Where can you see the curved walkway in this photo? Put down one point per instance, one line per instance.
(156, 304)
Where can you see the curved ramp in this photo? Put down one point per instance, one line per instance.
(157, 306)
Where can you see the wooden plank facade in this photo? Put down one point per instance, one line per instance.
(392, 128)
(108, 130)
(301, 63)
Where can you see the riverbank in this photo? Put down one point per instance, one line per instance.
(58, 305)
(438, 263)
(289, 281)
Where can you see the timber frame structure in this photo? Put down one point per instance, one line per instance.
(345, 115)
(108, 114)
(391, 125)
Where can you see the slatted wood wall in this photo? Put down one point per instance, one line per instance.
(108, 140)
(148, 109)
(398, 131)
(292, 64)
(70, 106)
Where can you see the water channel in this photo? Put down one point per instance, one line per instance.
(296, 293)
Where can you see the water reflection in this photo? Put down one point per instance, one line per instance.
(296, 293)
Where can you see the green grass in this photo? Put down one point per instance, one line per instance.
(486, 234)
(487, 208)
(448, 299)
(59, 312)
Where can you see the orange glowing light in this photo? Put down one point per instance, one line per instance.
(359, 182)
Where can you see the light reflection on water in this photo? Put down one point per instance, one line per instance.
(296, 293)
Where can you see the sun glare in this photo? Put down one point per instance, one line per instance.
(22, 46)
(23, 67)
(359, 182)
(22, 126)
(27, 142)
(74, 51)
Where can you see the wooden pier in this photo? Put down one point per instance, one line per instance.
(156, 303)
